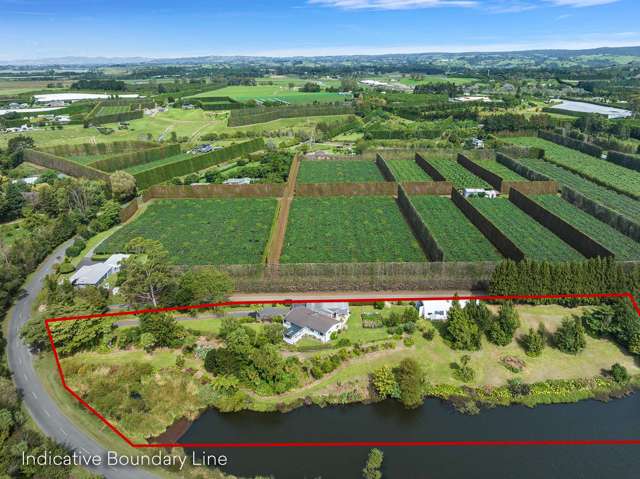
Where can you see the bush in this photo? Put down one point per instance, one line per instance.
(66, 267)
(429, 334)
(76, 248)
(410, 380)
(532, 342)
(570, 338)
(619, 373)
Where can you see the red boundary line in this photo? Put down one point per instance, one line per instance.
(338, 443)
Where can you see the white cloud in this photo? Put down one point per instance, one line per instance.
(497, 6)
(393, 4)
(581, 3)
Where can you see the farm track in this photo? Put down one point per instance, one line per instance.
(277, 241)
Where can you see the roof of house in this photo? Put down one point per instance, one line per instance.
(115, 259)
(329, 308)
(303, 317)
(91, 274)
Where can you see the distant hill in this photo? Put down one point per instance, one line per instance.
(632, 51)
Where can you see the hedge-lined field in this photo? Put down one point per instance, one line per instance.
(622, 246)
(243, 93)
(623, 204)
(203, 231)
(618, 177)
(457, 174)
(499, 169)
(113, 110)
(167, 168)
(407, 170)
(348, 230)
(338, 171)
(534, 240)
(458, 238)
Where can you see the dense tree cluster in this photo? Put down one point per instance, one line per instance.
(254, 359)
(599, 275)
(405, 382)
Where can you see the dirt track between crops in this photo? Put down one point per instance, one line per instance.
(277, 241)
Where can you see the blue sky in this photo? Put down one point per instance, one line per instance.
(169, 28)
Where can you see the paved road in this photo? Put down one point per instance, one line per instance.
(40, 405)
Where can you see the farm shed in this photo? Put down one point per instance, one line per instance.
(436, 309)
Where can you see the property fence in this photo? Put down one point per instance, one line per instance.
(628, 161)
(436, 188)
(360, 276)
(419, 227)
(127, 211)
(376, 188)
(67, 167)
(214, 191)
(572, 143)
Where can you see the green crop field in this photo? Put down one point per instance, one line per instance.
(452, 230)
(207, 231)
(277, 92)
(407, 170)
(338, 171)
(348, 230)
(113, 110)
(457, 174)
(622, 179)
(499, 169)
(622, 204)
(622, 246)
(535, 241)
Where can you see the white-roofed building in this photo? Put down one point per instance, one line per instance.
(91, 275)
(115, 261)
(436, 309)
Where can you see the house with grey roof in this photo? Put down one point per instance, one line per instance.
(317, 320)
(91, 275)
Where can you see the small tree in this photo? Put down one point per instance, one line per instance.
(123, 185)
(570, 338)
(460, 331)
(374, 463)
(462, 370)
(410, 381)
(533, 342)
(503, 326)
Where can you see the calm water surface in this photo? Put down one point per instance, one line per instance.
(388, 421)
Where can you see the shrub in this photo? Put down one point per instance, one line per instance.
(619, 373)
(66, 267)
(384, 383)
(410, 380)
(462, 371)
(532, 342)
(429, 334)
(76, 248)
(570, 338)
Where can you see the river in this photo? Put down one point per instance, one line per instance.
(388, 421)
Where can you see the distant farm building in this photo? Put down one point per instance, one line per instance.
(479, 193)
(436, 309)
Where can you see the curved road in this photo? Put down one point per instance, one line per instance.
(40, 405)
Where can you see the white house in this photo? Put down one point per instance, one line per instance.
(115, 261)
(95, 274)
(318, 320)
(472, 192)
(91, 275)
(477, 143)
(237, 181)
(436, 309)
(29, 180)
